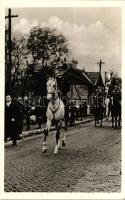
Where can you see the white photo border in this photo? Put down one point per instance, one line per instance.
(52, 3)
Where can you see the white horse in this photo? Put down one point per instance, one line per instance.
(55, 113)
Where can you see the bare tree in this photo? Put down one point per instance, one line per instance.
(19, 53)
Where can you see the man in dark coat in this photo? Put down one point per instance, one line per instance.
(12, 116)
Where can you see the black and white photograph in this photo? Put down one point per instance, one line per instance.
(63, 100)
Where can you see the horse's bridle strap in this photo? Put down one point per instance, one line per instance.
(54, 111)
(52, 94)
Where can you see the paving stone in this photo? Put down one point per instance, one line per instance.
(90, 162)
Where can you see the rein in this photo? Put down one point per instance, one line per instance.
(54, 97)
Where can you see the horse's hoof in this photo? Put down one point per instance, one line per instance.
(55, 152)
(59, 148)
(44, 151)
(63, 143)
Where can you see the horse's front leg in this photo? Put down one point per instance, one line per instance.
(57, 146)
(46, 131)
(63, 139)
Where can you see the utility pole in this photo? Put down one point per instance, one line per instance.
(100, 65)
(105, 77)
(9, 65)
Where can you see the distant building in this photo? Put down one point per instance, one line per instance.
(96, 78)
(83, 84)
(80, 84)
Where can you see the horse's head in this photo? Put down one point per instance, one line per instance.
(51, 88)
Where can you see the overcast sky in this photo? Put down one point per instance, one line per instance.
(93, 33)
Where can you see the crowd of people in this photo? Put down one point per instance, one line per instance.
(20, 111)
(107, 105)
(15, 113)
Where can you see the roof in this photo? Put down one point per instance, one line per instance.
(96, 78)
(76, 76)
(93, 76)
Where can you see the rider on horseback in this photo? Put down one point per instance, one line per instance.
(115, 106)
(59, 73)
(63, 85)
(98, 105)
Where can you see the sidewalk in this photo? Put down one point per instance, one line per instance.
(40, 131)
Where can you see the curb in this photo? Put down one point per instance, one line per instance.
(26, 134)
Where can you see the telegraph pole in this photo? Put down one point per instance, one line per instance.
(9, 65)
(105, 77)
(100, 65)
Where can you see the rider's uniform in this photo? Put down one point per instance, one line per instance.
(60, 70)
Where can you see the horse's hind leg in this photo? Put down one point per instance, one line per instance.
(63, 139)
(57, 146)
(44, 146)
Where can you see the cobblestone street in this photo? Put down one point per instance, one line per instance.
(90, 162)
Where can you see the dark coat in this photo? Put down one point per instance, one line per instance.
(27, 108)
(40, 111)
(12, 120)
(22, 116)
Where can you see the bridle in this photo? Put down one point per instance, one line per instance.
(53, 99)
(54, 111)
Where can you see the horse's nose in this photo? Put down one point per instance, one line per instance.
(49, 96)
